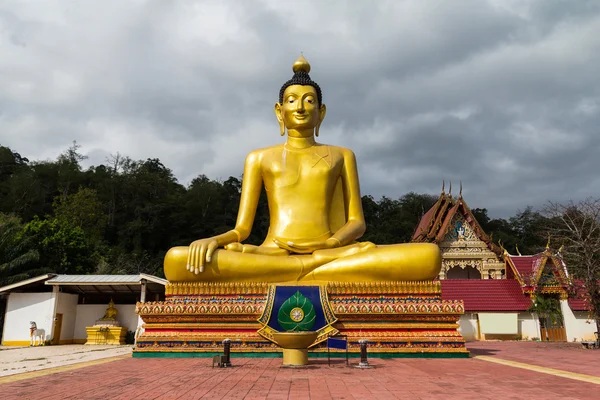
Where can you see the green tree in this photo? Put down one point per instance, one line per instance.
(149, 207)
(82, 210)
(63, 248)
(530, 229)
(69, 169)
(577, 225)
(18, 258)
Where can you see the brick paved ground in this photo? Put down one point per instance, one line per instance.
(572, 357)
(15, 360)
(266, 379)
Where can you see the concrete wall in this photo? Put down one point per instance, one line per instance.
(468, 326)
(67, 306)
(21, 308)
(529, 326)
(576, 324)
(88, 314)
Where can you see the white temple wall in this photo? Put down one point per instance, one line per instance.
(88, 314)
(468, 326)
(576, 325)
(529, 326)
(67, 306)
(21, 308)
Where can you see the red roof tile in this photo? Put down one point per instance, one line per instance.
(526, 265)
(579, 302)
(424, 223)
(486, 294)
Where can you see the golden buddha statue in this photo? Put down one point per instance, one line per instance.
(315, 212)
(111, 312)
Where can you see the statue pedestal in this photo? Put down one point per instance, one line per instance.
(295, 346)
(398, 319)
(105, 334)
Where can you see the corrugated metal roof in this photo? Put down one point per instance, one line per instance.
(103, 279)
(26, 282)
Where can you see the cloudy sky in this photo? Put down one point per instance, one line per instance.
(501, 94)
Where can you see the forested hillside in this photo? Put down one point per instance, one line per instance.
(122, 216)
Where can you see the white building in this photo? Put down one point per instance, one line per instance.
(63, 305)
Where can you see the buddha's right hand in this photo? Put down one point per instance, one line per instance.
(200, 252)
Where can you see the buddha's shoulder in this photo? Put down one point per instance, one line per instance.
(258, 154)
(342, 151)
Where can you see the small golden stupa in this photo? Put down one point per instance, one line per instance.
(107, 330)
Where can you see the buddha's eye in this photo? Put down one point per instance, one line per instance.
(310, 100)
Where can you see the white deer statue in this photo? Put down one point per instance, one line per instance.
(37, 335)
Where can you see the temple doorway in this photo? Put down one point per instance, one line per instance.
(552, 327)
(463, 273)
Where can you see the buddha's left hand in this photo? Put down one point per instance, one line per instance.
(307, 247)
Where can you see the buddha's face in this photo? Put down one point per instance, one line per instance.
(300, 109)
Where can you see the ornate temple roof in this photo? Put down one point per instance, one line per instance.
(436, 222)
(486, 294)
(529, 270)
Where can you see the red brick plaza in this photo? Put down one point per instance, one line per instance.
(497, 370)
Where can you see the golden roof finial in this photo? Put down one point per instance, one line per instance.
(460, 193)
(548, 243)
(450, 190)
(443, 186)
(517, 248)
(301, 65)
(562, 246)
(502, 247)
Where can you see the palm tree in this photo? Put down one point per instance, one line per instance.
(17, 257)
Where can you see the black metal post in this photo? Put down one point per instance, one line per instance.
(364, 362)
(227, 352)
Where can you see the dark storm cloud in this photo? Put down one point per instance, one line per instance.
(502, 95)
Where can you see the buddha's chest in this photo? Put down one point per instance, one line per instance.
(317, 167)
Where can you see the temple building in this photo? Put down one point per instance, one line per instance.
(467, 251)
(532, 302)
(504, 294)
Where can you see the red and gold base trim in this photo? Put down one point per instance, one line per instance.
(395, 317)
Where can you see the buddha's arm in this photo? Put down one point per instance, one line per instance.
(355, 226)
(251, 187)
(201, 250)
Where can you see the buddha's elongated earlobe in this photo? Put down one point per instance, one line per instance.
(280, 119)
(322, 112)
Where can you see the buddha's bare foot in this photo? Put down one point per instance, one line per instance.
(235, 247)
(324, 256)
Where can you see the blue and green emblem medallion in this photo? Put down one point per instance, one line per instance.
(297, 309)
(297, 314)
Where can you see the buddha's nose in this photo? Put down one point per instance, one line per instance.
(300, 107)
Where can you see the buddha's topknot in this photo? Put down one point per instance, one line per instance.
(301, 69)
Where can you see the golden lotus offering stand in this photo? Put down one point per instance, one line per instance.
(295, 346)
